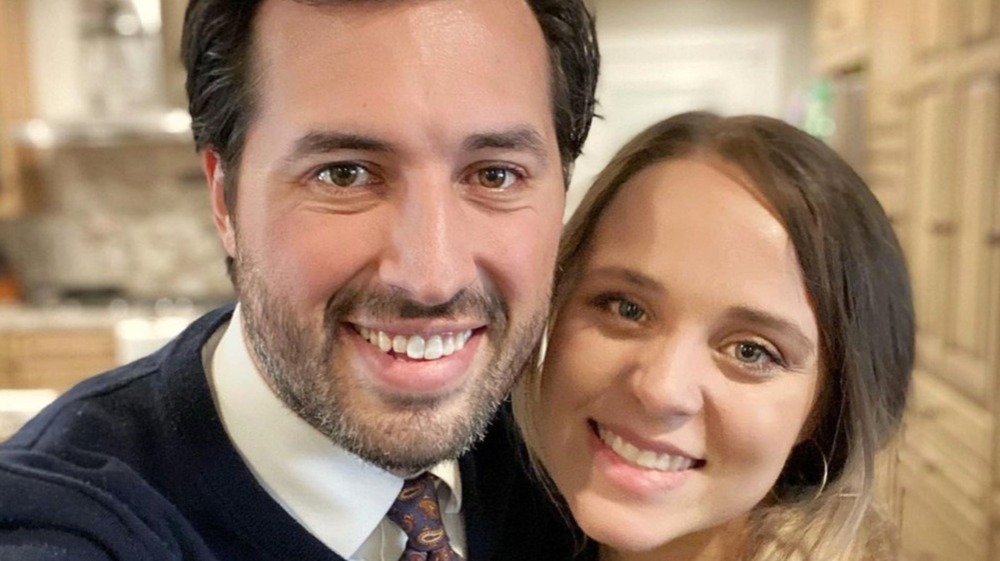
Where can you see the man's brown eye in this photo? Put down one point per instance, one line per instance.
(496, 178)
(345, 175)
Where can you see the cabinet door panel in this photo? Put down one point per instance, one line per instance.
(967, 344)
(930, 256)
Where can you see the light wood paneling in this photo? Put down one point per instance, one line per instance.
(933, 222)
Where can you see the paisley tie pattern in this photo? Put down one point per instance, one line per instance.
(416, 511)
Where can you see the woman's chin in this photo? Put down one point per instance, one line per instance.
(623, 537)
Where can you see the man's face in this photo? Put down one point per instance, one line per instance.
(399, 204)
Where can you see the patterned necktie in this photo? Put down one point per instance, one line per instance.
(416, 511)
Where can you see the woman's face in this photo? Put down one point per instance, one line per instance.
(683, 365)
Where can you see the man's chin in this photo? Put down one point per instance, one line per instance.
(415, 434)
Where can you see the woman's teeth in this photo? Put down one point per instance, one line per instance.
(416, 347)
(643, 458)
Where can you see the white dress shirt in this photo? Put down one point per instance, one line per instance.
(336, 496)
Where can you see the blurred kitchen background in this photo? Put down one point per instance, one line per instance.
(107, 247)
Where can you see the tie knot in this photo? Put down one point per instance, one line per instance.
(416, 511)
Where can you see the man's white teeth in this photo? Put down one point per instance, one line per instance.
(643, 458)
(416, 346)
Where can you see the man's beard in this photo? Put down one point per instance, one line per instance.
(300, 363)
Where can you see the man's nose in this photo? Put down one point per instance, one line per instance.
(431, 254)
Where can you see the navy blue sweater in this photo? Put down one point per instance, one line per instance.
(134, 465)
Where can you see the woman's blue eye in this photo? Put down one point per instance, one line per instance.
(619, 306)
(630, 310)
(750, 352)
(755, 354)
(345, 175)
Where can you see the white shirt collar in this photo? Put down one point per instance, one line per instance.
(317, 482)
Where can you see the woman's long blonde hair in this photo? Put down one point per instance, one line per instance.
(821, 506)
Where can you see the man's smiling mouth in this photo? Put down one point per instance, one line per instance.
(416, 347)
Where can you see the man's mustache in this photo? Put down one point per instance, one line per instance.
(393, 303)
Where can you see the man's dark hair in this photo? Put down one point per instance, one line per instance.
(217, 44)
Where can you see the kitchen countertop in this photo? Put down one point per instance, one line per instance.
(22, 317)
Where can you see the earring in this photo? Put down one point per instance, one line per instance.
(826, 469)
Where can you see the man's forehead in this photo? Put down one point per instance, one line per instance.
(453, 56)
(430, 29)
(459, 77)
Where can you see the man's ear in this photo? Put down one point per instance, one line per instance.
(215, 175)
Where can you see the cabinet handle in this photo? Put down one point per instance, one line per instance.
(993, 238)
(942, 227)
(929, 413)
(836, 20)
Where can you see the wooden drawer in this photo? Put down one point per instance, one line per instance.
(34, 345)
(57, 358)
(934, 525)
(950, 434)
(945, 474)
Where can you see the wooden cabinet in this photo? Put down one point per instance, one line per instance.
(970, 337)
(16, 165)
(933, 141)
(53, 358)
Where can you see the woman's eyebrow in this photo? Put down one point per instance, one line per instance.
(627, 275)
(772, 322)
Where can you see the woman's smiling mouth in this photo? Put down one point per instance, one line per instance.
(643, 458)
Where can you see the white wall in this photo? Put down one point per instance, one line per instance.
(53, 31)
(61, 74)
(794, 17)
(665, 56)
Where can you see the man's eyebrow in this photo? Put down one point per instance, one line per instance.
(324, 142)
(773, 322)
(520, 138)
